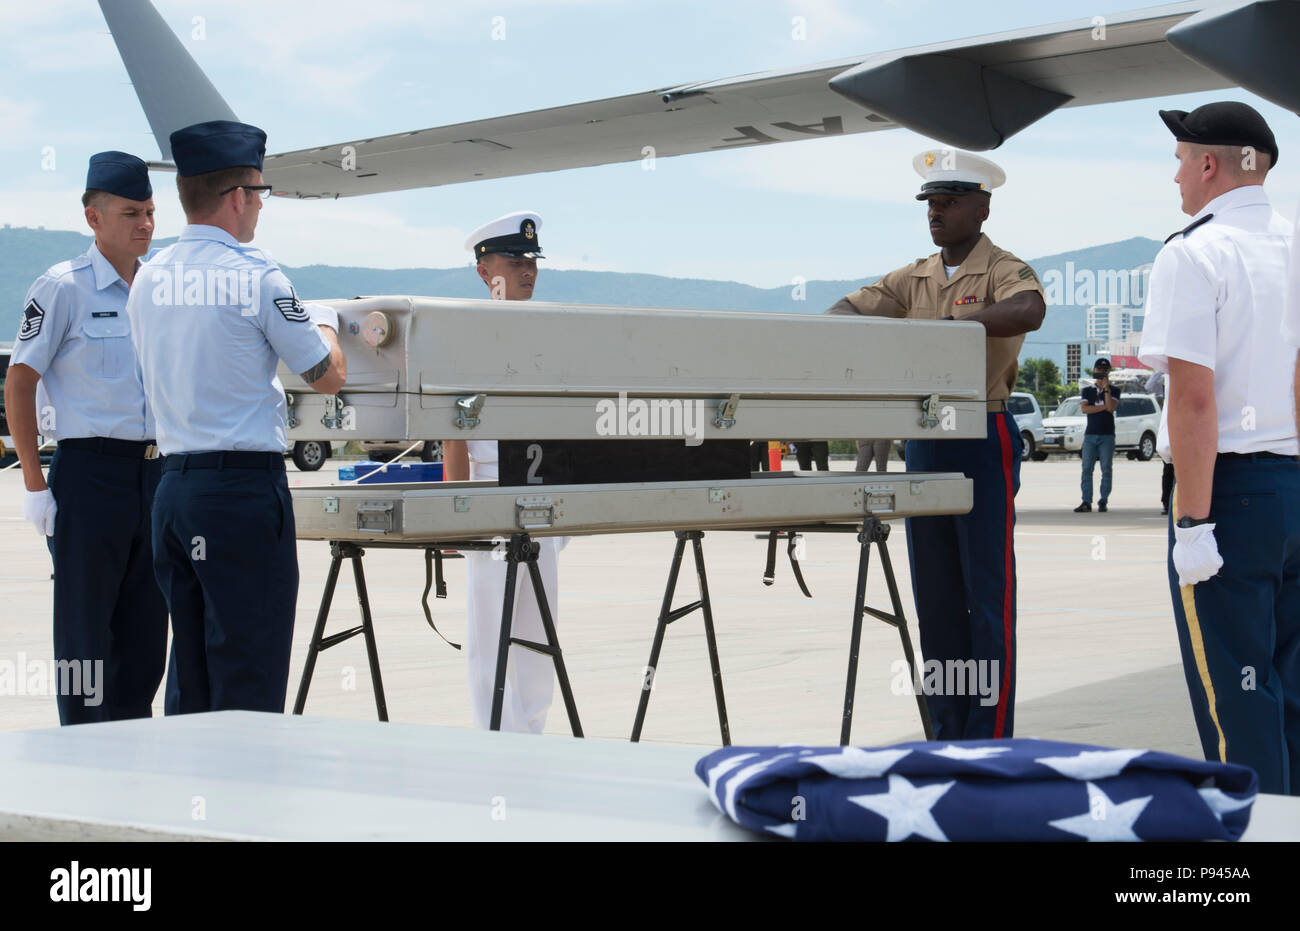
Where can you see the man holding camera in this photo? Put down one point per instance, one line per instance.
(1099, 402)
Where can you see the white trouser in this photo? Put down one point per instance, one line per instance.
(530, 676)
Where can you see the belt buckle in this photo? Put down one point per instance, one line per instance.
(151, 451)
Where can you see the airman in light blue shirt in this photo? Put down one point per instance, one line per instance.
(74, 377)
(211, 318)
(75, 334)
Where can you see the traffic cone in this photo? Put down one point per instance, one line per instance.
(774, 456)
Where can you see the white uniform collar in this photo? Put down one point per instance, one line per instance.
(105, 273)
(1248, 195)
(204, 231)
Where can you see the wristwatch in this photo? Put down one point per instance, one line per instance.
(1186, 523)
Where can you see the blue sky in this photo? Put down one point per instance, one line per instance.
(313, 73)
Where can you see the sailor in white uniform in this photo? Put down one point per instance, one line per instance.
(507, 250)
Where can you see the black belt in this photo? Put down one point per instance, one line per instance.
(127, 449)
(183, 462)
(1258, 456)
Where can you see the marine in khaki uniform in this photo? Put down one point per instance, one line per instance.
(966, 608)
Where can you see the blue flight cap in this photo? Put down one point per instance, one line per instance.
(119, 173)
(215, 145)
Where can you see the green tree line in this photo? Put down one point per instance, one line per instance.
(1042, 379)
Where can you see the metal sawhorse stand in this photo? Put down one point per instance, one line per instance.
(872, 530)
(520, 548)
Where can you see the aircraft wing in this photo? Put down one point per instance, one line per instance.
(972, 94)
(1251, 44)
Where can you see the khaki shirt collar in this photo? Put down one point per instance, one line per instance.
(977, 263)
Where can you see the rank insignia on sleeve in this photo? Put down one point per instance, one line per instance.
(292, 308)
(33, 317)
(1026, 273)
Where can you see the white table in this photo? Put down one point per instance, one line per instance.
(238, 774)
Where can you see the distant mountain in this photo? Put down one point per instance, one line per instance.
(25, 253)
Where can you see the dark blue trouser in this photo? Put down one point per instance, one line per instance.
(227, 562)
(1097, 449)
(964, 581)
(1239, 631)
(107, 606)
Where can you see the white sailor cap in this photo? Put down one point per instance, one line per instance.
(514, 235)
(949, 171)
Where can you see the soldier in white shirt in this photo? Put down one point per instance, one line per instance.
(1214, 311)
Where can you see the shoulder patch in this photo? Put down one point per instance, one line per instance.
(1026, 273)
(291, 308)
(33, 317)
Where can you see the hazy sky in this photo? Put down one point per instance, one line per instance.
(319, 72)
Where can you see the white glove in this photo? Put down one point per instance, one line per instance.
(322, 315)
(1196, 554)
(39, 508)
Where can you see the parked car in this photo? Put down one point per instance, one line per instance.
(386, 450)
(310, 455)
(1029, 420)
(7, 454)
(6, 442)
(1137, 421)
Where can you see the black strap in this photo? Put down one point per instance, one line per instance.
(432, 556)
(794, 562)
(769, 572)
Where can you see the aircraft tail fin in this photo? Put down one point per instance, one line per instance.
(173, 90)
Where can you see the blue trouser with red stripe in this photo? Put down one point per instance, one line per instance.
(964, 583)
(1239, 631)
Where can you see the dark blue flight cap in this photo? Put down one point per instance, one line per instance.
(215, 145)
(119, 173)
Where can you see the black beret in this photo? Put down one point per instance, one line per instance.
(1226, 122)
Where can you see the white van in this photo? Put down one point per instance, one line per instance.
(1029, 420)
(1137, 421)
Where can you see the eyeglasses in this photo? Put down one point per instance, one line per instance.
(261, 190)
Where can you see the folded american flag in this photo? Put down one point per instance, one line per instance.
(1019, 789)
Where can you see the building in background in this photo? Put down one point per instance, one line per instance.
(1109, 322)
